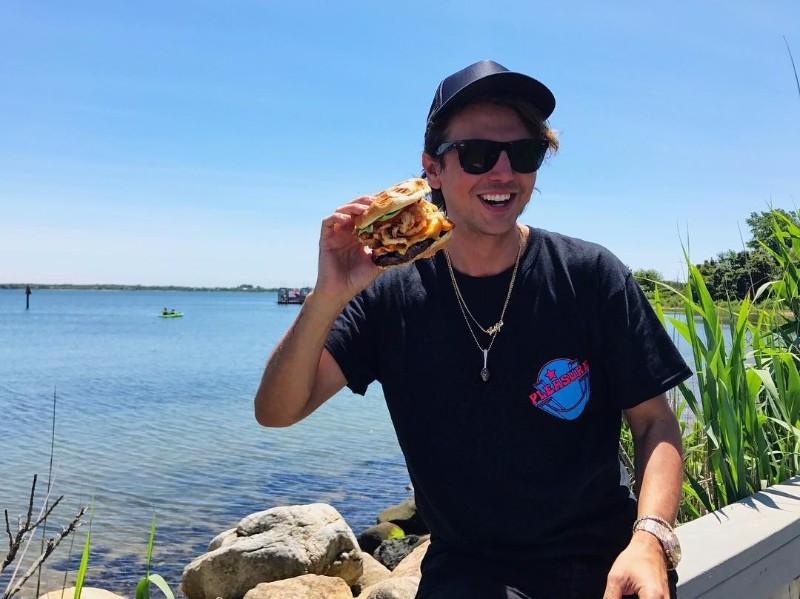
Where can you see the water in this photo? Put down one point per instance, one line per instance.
(155, 416)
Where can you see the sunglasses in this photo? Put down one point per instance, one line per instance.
(478, 156)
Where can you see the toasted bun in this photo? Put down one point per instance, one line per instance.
(393, 198)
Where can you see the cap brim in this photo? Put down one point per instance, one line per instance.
(505, 83)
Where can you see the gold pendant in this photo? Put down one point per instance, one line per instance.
(495, 328)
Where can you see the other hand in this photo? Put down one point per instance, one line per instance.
(640, 569)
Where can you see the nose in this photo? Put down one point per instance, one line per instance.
(502, 168)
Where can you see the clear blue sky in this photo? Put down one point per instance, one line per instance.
(201, 143)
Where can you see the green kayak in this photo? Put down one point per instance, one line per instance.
(171, 315)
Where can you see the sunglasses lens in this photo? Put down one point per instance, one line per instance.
(527, 155)
(478, 156)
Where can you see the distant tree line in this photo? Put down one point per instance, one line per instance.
(733, 274)
(118, 287)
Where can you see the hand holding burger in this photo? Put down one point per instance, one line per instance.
(401, 226)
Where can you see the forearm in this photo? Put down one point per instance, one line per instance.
(659, 468)
(289, 376)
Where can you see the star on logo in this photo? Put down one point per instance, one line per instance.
(551, 374)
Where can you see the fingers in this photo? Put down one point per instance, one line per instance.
(330, 222)
(363, 200)
(356, 206)
(613, 590)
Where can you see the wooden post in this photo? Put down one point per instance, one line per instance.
(27, 297)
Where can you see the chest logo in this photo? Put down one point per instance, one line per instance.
(562, 388)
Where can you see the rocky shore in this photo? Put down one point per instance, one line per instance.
(304, 552)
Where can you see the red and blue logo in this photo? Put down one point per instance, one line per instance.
(562, 388)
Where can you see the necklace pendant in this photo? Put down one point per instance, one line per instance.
(495, 328)
(485, 370)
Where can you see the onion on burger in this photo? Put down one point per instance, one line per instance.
(401, 226)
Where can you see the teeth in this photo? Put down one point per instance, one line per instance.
(496, 197)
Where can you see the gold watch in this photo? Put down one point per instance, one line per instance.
(661, 529)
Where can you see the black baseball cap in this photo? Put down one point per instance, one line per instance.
(489, 77)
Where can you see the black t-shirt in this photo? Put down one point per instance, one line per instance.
(525, 465)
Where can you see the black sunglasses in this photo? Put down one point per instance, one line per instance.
(478, 156)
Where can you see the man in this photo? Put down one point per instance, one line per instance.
(506, 362)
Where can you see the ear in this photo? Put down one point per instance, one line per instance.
(433, 170)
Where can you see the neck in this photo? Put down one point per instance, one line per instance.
(488, 254)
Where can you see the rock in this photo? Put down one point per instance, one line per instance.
(302, 587)
(410, 566)
(374, 572)
(376, 534)
(405, 515)
(400, 587)
(276, 544)
(86, 593)
(392, 551)
(222, 539)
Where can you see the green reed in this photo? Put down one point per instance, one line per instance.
(745, 433)
(143, 586)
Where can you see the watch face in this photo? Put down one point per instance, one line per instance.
(674, 549)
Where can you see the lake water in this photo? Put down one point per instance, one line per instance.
(155, 416)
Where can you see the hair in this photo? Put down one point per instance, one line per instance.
(436, 130)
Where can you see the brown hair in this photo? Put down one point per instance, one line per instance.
(436, 131)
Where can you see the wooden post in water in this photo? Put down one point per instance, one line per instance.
(27, 297)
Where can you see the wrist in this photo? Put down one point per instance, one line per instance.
(648, 541)
(329, 302)
(660, 531)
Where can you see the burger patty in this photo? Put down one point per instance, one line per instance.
(394, 258)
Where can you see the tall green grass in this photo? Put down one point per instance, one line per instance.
(745, 431)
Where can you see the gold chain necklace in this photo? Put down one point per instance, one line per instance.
(495, 328)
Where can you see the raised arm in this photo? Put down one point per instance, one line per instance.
(300, 374)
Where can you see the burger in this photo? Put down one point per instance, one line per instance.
(401, 226)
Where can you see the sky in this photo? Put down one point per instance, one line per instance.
(201, 143)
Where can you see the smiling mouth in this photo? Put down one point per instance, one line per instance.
(496, 200)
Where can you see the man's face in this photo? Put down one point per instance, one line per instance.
(466, 194)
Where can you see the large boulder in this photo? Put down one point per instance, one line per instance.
(405, 515)
(302, 587)
(224, 538)
(396, 587)
(275, 544)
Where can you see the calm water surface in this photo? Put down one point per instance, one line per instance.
(155, 416)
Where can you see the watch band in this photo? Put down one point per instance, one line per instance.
(662, 531)
(655, 518)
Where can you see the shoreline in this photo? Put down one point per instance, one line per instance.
(121, 287)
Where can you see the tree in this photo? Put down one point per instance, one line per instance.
(732, 275)
(647, 278)
(761, 228)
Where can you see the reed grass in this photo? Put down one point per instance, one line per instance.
(744, 433)
(80, 578)
(143, 586)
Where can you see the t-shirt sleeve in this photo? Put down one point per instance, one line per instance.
(351, 342)
(637, 354)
